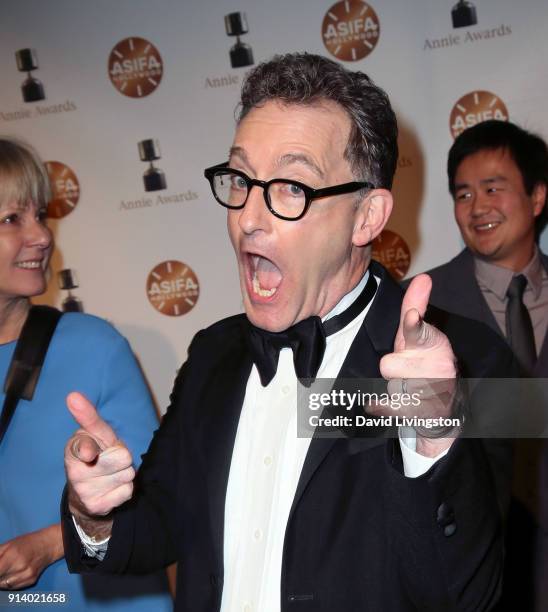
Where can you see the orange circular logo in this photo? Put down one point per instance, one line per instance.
(391, 250)
(173, 288)
(135, 67)
(65, 189)
(475, 107)
(350, 30)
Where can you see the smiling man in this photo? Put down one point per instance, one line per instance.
(258, 518)
(498, 177)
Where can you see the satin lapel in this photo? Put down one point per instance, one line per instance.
(221, 413)
(374, 339)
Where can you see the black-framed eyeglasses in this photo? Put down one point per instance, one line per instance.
(285, 199)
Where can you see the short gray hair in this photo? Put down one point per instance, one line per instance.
(304, 78)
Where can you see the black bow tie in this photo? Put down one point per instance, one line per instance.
(306, 339)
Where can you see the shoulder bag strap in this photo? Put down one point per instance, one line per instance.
(27, 360)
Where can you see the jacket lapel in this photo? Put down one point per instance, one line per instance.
(374, 339)
(466, 292)
(220, 415)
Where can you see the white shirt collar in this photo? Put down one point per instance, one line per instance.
(348, 299)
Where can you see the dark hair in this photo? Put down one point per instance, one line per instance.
(528, 151)
(23, 177)
(303, 78)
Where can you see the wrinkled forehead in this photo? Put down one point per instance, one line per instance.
(278, 132)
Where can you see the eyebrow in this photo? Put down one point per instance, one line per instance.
(487, 181)
(239, 152)
(19, 205)
(284, 160)
(300, 158)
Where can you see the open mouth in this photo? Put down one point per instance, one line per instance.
(264, 275)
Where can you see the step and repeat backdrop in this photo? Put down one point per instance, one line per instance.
(129, 101)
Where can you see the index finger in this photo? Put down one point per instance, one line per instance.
(84, 448)
(85, 414)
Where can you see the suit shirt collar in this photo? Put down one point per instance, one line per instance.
(497, 279)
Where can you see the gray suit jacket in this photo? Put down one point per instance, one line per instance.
(456, 290)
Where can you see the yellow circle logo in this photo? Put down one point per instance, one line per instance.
(350, 30)
(173, 288)
(65, 189)
(475, 107)
(391, 250)
(135, 67)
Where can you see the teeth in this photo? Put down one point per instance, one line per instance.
(487, 226)
(29, 265)
(262, 292)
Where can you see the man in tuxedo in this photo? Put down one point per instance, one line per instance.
(498, 178)
(257, 517)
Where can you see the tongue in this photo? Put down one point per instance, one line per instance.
(268, 274)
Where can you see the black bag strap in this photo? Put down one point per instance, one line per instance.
(28, 358)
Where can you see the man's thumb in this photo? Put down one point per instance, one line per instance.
(415, 330)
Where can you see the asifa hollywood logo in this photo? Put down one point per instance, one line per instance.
(135, 67)
(350, 30)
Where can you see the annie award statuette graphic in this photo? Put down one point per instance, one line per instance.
(240, 54)
(68, 282)
(32, 88)
(463, 14)
(154, 178)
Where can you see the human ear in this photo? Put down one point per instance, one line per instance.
(372, 214)
(538, 197)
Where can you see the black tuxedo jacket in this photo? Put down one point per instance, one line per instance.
(361, 537)
(456, 290)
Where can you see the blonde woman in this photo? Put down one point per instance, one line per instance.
(85, 353)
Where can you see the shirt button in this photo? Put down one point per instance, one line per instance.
(267, 460)
(258, 535)
(286, 389)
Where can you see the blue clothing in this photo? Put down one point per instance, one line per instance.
(86, 354)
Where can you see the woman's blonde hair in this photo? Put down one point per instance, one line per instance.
(23, 177)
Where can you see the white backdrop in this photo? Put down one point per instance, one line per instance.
(118, 233)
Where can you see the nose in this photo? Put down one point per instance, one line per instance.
(480, 205)
(255, 215)
(38, 234)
